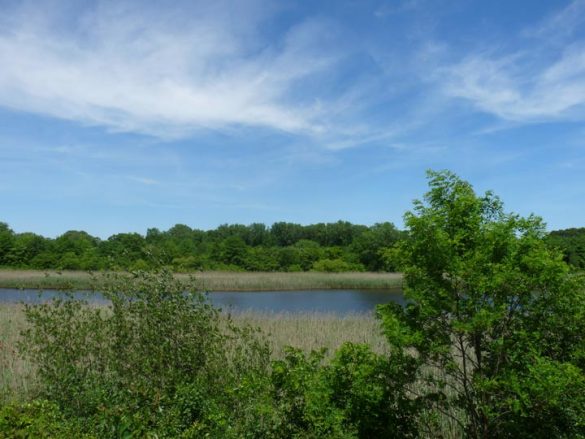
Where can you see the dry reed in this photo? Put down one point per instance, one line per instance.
(211, 280)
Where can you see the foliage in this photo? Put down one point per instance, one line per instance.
(38, 419)
(160, 362)
(491, 339)
(572, 243)
(372, 391)
(127, 365)
(494, 318)
(256, 247)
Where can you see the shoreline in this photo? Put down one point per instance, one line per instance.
(210, 280)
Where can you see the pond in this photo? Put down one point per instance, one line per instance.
(328, 301)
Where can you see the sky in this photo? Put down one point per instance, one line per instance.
(118, 116)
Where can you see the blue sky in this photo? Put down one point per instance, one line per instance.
(117, 116)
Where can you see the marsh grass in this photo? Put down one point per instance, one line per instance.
(263, 281)
(49, 279)
(307, 331)
(211, 280)
(16, 373)
(313, 331)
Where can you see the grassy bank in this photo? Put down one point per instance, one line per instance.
(307, 331)
(211, 280)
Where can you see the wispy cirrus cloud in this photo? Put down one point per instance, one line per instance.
(163, 72)
(540, 80)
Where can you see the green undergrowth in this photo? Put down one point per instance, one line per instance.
(162, 363)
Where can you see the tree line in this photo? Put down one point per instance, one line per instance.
(284, 246)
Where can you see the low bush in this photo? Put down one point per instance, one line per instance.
(37, 419)
(128, 365)
(336, 266)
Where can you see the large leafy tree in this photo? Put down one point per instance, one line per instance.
(495, 319)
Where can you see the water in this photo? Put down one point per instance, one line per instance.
(329, 301)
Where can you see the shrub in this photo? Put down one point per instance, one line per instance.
(372, 391)
(36, 419)
(128, 365)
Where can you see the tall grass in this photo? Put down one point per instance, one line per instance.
(212, 280)
(16, 373)
(307, 331)
(262, 281)
(312, 331)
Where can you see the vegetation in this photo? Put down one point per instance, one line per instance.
(331, 247)
(284, 247)
(211, 280)
(165, 363)
(496, 310)
(572, 243)
(490, 344)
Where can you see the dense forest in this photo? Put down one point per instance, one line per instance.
(339, 246)
(334, 247)
(572, 244)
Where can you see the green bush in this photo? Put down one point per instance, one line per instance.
(302, 398)
(37, 419)
(128, 365)
(372, 391)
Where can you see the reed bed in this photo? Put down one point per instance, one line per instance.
(313, 331)
(16, 373)
(263, 281)
(211, 280)
(307, 331)
(49, 279)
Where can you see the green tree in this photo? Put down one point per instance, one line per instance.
(258, 234)
(6, 242)
(285, 234)
(572, 243)
(494, 316)
(369, 246)
(308, 253)
(77, 242)
(124, 249)
(25, 247)
(233, 251)
(159, 362)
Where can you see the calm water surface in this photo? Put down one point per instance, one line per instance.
(330, 301)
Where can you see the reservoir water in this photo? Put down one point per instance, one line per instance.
(327, 301)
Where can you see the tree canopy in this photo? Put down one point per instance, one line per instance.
(495, 319)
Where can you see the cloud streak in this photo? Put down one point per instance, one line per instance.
(130, 70)
(542, 81)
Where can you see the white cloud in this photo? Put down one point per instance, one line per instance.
(514, 90)
(537, 82)
(167, 74)
(561, 24)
